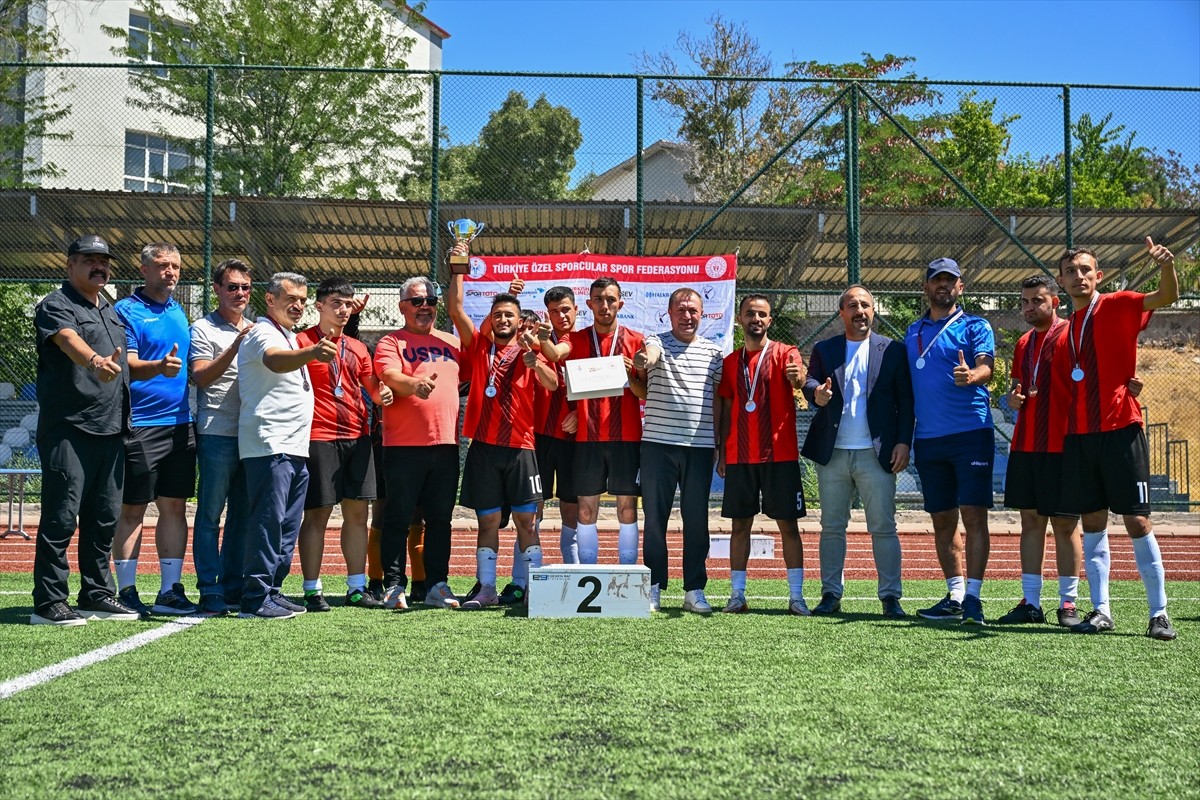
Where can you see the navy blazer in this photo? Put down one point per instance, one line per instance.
(889, 397)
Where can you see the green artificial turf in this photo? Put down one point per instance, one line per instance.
(434, 703)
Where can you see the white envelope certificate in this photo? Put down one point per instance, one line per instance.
(596, 377)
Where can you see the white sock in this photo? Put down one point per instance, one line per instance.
(171, 570)
(356, 581)
(532, 557)
(795, 579)
(1068, 589)
(589, 543)
(627, 543)
(956, 587)
(1096, 563)
(520, 575)
(738, 578)
(1031, 589)
(1150, 567)
(568, 546)
(974, 586)
(485, 566)
(315, 586)
(126, 573)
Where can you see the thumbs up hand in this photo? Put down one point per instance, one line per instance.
(792, 370)
(1016, 398)
(108, 369)
(170, 364)
(425, 387)
(325, 350)
(1159, 253)
(385, 395)
(824, 393)
(963, 375)
(640, 360)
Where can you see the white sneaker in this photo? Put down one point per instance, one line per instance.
(440, 596)
(486, 598)
(655, 597)
(798, 607)
(736, 605)
(694, 600)
(394, 598)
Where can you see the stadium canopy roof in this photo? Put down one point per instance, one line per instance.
(385, 242)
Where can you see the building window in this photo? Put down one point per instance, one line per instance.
(146, 44)
(154, 164)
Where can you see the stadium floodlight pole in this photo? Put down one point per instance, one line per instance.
(210, 114)
(1068, 177)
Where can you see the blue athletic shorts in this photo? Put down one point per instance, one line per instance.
(956, 470)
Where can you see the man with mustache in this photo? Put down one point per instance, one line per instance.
(950, 354)
(83, 410)
(160, 453)
(274, 426)
(859, 439)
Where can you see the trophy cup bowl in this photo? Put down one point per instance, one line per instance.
(463, 230)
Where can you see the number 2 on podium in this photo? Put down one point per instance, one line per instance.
(586, 606)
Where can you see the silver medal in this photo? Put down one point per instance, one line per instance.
(1077, 374)
(490, 391)
(338, 391)
(921, 362)
(750, 406)
(1033, 391)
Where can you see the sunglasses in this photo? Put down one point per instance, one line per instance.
(237, 287)
(422, 301)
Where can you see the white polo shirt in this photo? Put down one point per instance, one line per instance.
(276, 407)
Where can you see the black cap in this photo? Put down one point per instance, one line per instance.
(89, 245)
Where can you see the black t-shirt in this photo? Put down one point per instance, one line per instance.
(68, 393)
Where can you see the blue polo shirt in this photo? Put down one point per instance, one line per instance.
(942, 408)
(151, 330)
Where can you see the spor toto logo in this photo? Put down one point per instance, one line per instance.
(478, 267)
(715, 267)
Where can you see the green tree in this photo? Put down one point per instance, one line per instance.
(456, 181)
(281, 132)
(976, 152)
(525, 152)
(31, 105)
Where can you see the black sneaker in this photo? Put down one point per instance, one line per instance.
(1023, 614)
(512, 595)
(287, 604)
(942, 610)
(416, 593)
(57, 613)
(361, 598)
(830, 604)
(1160, 628)
(213, 605)
(315, 601)
(972, 611)
(375, 589)
(108, 608)
(1068, 617)
(1094, 622)
(128, 597)
(269, 610)
(173, 602)
(469, 596)
(892, 608)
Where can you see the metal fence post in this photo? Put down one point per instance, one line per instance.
(641, 197)
(1068, 178)
(209, 176)
(435, 114)
(853, 240)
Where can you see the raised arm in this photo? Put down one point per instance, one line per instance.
(1168, 281)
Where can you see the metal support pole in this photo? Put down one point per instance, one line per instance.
(641, 197)
(1068, 177)
(853, 238)
(210, 114)
(435, 121)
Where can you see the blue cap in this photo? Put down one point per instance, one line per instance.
(940, 265)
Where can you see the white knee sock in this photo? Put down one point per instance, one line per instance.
(738, 578)
(1068, 589)
(1150, 567)
(956, 587)
(1031, 589)
(627, 543)
(532, 557)
(795, 579)
(589, 543)
(520, 573)
(171, 570)
(568, 545)
(126, 573)
(314, 586)
(974, 586)
(356, 581)
(1096, 562)
(485, 566)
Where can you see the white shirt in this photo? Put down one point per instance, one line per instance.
(679, 391)
(853, 431)
(276, 409)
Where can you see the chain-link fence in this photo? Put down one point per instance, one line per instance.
(814, 184)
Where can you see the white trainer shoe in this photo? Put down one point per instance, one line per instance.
(394, 598)
(655, 597)
(440, 596)
(797, 607)
(737, 605)
(694, 600)
(486, 598)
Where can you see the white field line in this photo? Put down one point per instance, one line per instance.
(47, 674)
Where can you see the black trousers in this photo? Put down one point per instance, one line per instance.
(83, 476)
(665, 467)
(426, 477)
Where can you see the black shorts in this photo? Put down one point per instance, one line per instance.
(778, 484)
(343, 469)
(160, 461)
(1107, 470)
(1035, 481)
(496, 476)
(611, 467)
(555, 459)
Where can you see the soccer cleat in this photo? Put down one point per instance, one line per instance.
(1160, 628)
(1094, 622)
(56, 613)
(944, 609)
(972, 611)
(440, 596)
(269, 610)
(394, 598)
(830, 604)
(512, 595)
(484, 598)
(173, 602)
(892, 608)
(314, 601)
(361, 598)
(287, 603)
(1068, 617)
(128, 597)
(695, 601)
(109, 608)
(736, 605)
(798, 608)
(375, 587)
(213, 605)
(655, 597)
(416, 593)
(1023, 614)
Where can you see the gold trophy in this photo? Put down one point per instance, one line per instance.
(463, 230)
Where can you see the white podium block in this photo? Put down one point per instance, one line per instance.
(589, 590)
(761, 546)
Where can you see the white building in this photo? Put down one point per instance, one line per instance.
(664, 167)
(114, 145)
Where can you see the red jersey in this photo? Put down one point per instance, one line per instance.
(608, 419)
(767, 434)
(345, 416)
(1041, 365)
(1108, 357)
(411, 421)
(549, 408)
(507, 418)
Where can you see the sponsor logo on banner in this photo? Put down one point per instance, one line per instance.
(715, 267)
(478, 267)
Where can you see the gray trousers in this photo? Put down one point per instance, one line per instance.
(837, 480)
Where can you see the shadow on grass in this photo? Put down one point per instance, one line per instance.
(15, 615)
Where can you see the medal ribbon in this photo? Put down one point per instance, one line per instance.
(752, 385)
(1033, 363)
(612, 346)
(335, 366)
(1082, 329)
(949, 322)
(493, 367)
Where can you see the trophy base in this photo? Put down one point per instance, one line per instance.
(460, 265)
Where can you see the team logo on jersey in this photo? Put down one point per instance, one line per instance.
(478, 268)
(716, 266)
